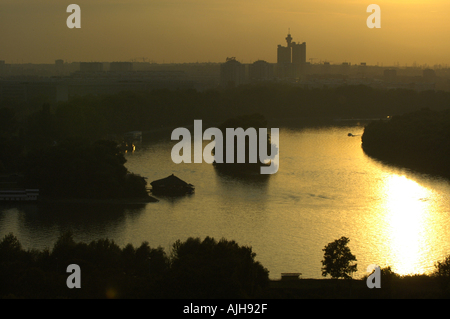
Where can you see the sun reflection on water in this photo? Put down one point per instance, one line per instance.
(407, 212)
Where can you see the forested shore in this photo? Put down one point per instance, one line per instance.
(96, 117)
(63, 148)
(417, 140)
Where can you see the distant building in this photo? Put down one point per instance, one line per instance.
(2, 67)
(291, 59)
(260, 71)
(284, 59)
(362, 69)
(298, 58)
(13, 91)
(326, 68)
(91, 67)
(232, 73)
(284, 54)
(429, 75)
(121, 66)
(59, 67)
(390, 75)
(345, 68)
(298, 53)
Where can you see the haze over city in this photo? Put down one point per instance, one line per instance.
(210, 31)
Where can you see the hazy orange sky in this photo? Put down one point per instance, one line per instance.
(211, 30)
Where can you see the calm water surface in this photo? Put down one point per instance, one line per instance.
(326, 187)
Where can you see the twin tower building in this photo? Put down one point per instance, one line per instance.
(291, 59)
(291, 64)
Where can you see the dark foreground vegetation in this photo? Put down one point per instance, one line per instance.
(418, 140)
(405, 287)
(193, 269)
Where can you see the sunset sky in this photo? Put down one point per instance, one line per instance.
(166, 31)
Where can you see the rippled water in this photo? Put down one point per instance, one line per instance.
(326, 187)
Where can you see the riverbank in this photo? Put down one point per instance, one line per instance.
(126, 201)
(408, 287)
(417, 140)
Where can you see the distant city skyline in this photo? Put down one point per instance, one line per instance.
(189, 31)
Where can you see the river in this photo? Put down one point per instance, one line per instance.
(326, 187)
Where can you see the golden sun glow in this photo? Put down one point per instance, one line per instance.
(407, 210)
(413, 31)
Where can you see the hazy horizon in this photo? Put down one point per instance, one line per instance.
(189, 31)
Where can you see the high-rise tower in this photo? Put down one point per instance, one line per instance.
(289, 38)
(291, 58)
(284, 53)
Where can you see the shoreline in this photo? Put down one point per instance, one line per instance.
(411, 286)
(127, 201)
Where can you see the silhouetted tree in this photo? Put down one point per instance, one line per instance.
(442, 272)
(10, 248)
(443, 267)
(338, 259)
(388, 279)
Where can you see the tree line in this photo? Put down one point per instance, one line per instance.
(97, 116)
(194, 268)
(25, 130)
(418, 140)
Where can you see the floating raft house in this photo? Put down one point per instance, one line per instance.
(171, 185)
